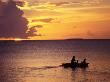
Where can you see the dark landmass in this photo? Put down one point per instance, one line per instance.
(84, 39)
(75, 39)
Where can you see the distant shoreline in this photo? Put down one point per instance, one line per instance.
(87, 39)
(65, 40)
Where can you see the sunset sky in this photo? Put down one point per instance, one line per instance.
(56, 19)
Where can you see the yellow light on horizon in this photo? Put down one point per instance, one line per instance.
(18, 39)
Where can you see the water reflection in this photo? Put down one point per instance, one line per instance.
(78, 75)
(51, 74)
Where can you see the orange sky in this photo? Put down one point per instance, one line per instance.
(69, 18)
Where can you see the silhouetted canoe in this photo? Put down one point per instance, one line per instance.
(80, 65)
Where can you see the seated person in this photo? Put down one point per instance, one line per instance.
(73, 60)
(84, 61)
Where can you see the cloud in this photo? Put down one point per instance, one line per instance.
(81, 3)
(98, 9)
(38, 26)
(47, 20)
(12, 22)
(60, 3)
(20, 3)
(33, 31)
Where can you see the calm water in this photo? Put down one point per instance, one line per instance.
(38, 61)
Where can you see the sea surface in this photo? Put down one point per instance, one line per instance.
(39, 61)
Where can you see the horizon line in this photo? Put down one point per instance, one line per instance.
(51, 39)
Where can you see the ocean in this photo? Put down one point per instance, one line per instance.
(39, 61)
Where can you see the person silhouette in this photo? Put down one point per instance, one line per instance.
(84, 64)
(84, 61)
(73, 60)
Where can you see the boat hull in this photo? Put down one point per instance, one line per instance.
(79, 65)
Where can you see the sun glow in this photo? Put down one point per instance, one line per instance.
(18, 39)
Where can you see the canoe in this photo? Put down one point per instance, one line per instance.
(76, 65)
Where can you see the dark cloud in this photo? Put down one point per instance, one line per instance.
(38, 26)
(12, 23)
(47, 20)
(33, 32)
